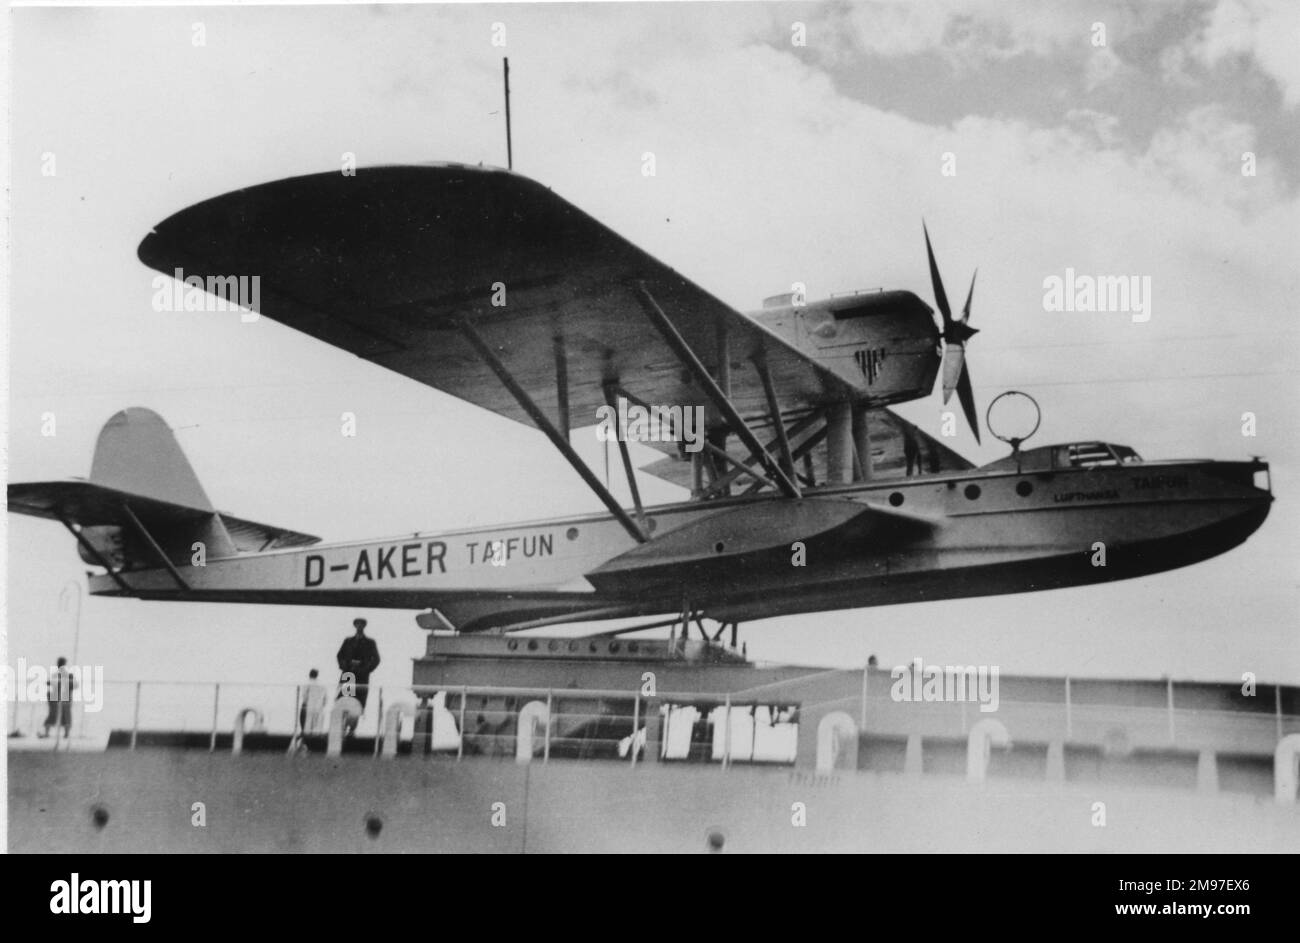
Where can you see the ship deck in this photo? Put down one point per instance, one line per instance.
(627, 745)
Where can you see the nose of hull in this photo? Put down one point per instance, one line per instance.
(1238, 521)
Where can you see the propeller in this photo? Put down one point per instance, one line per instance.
(956, 375)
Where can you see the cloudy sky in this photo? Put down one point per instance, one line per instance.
(1112, 151)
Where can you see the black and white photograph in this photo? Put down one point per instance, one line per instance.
(654, 428)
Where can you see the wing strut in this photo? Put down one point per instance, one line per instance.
(774, 408)
(687, 356)
(611, 397)
(153, 544)
(562, 384)
(804, 452)
(723, 481)
(543, 423)
(795, 429)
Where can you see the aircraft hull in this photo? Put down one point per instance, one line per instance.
(1059, 571)
(866, 544)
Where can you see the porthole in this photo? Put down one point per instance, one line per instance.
(571, 533)
(896, 498)
(972, 492)
(532, 645)
(573, 646)
(719, 547)
(513, 644)
(552, 646)
(1024, 489)
(614, 647)
(633, 647)
(714, 841)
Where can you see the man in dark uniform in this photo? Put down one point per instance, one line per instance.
(358, 657)
(911, 450)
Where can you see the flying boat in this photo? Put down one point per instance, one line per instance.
(807, 492)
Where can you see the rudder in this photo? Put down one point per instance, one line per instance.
(137, 452)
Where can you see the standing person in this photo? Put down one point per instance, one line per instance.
(60, 688)
(911, 450)
(358, 657)
(311, 712)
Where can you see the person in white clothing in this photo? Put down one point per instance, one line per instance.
(311, 711)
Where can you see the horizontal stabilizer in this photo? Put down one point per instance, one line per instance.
(90, 505)
(123, 526)
(251, 537)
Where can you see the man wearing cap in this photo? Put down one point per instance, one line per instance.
(358, 657)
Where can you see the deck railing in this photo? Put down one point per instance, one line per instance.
(464, 720)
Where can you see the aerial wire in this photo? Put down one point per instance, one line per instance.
(510, 156)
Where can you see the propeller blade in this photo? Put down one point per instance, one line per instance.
(954, 364)
(967, 397)
(955, 334)
(937, 283)
(965, 311)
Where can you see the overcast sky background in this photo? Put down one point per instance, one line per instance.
(774, 164)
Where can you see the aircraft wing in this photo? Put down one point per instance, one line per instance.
(381, 263)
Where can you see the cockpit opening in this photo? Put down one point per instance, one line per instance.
(1071, 455)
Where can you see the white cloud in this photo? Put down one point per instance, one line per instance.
(1267, 31)
(1174, 62)
(972, 32)
(1101, 126)
(1101, 66)
(1202, 155)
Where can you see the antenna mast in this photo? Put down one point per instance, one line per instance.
(510, 157)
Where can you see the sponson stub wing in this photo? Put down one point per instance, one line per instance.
(735, 547)
(384, 264)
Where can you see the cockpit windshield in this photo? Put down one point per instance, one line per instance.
(1074, 455)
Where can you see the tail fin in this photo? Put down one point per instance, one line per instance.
(143, 503)
(137, 453)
